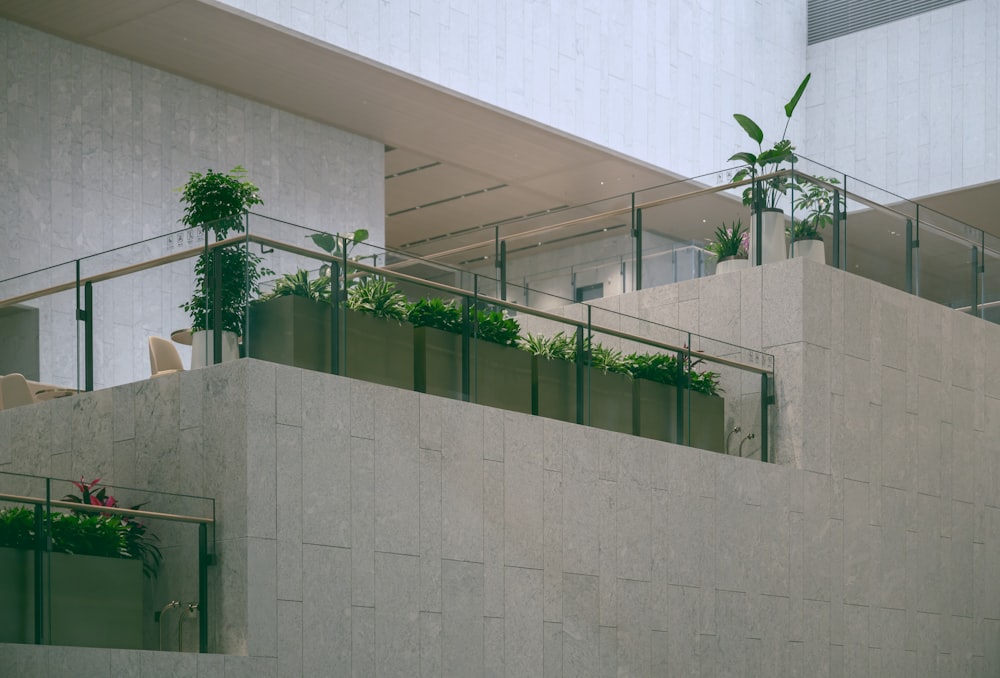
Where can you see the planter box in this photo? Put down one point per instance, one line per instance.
(655, 409)
(437, 362)
(292, 331)
(608, 398)
(553, 388)
(92, 602)
(503, 376)
(379, 350)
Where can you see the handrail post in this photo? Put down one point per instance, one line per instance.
(335, 316)
(39, 592)
(502, 265)
(974, 310)
(581, 364)
(202, 588)
(637, 235)
(216, 306)
(88, 335)
(765, 402)
(910, 246)
(836, 228)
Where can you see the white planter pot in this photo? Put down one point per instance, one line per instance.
(731, 264)
(809, 249)
(201, 348)
(772, 238)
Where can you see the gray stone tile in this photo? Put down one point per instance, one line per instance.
(430, 422)
(523, 621)
(124, 663)
(896, 444)
(608, 551)
(552, 445)
(288, 395)
(552, 648)
(608, 652)
(461, 618)
(732, 633)
(63, 661)
(290, 632)
(493, 648)
(580, 513)
(250, 667)
(362, 407)
(633, 520)
(962, 573)
(397, 614)
(493, 538)
(581, 624)
(859, 576)
(634, 649)
(362, 522)
(397, 475)
(123, 398)
(326, 610)
(430, 644)
(289, 512)
(261, 474)
(552, 506)
(228, 596)
(522, 490)
(738, 530)
(462, 482)
(783, 306)
(326, 461)
(430, 531)
(209, 666)
(262, 595)
(494, 428)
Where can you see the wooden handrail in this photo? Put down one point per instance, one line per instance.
(114, 510)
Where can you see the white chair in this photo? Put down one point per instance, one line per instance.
(163, 357)
(14, 391)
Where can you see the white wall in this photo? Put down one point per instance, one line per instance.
(656, 80)
(92, 147)
(910, 106)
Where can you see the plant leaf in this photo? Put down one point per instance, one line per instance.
(325, 241)
(794, 101)
(750, 127)
(746, 158)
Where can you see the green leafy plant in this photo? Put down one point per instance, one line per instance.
(216, 202)
(817, 202)
(436, 313)
(497, 327)
(608, 359)
(765, 195)
(378, 297)
(85, 532)
(557, 347)
(298, 284)
(730, 241)
(664, 368)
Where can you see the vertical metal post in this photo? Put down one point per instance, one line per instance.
(909, 256)
(581, 365)
(88, 335)
(39, 592)
(758, 223)
(202, 587)
(466, 347)
(975, 281)
(335, 317)
(216, 323)
(502, 265)
(765, 401)
(637, 234)
(836, 228)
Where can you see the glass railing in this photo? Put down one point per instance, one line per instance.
(661, 235)
(388, 317)
(93, 565)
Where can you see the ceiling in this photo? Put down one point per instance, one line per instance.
(453, 165)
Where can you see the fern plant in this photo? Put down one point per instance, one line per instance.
(496, 327)
(557, 347)
(378, 297)
(298, 284)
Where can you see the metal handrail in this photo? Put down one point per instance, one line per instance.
(114, 510)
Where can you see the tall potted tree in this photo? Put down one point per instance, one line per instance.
(762, 196)
(215, 202)
(816, 201)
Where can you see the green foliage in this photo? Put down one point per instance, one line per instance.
(241, 274)
(378, 297)
(766, 195)
(557, 347)
(730, 241)
(298, 284)
(817, 202)
(608, 359)
(667, 369)
(17, 528)
(440, 315)
(215, 201)
(496, 327)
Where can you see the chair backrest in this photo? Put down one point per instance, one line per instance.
(14, 391)
(163, 357)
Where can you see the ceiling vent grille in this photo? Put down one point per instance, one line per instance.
(832, 18)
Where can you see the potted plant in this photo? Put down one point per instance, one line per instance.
(291, 323)
(816, 201)
(379, 341)
(669, 396)
(730, 247)
(503, 373)
(608, 390)
(437, 347)
(763, 196)
(96, 563)
(553, 375)
(215, 202)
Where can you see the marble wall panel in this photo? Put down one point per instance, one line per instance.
(397, 613)
(461, 618)
(522, 487)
